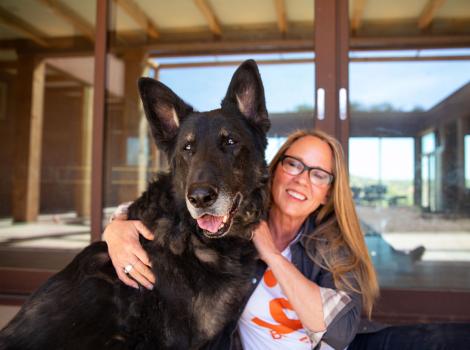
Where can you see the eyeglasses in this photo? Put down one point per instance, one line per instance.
(294, 166)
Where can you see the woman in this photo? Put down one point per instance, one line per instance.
(315, 277)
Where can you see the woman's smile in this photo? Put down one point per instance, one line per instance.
(296, 195)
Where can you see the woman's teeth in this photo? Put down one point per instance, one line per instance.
(297, 195)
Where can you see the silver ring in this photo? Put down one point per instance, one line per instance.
(128, 268)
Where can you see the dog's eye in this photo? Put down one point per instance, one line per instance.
(230, 141)
(187, 147)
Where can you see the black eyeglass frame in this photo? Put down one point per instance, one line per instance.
(309, 168)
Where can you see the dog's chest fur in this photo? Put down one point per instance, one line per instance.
(199, 280)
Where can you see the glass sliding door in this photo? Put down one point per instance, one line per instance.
(409, 123)
(409, 126)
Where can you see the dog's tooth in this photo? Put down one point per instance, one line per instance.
(225, 219)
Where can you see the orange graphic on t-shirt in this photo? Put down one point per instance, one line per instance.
(269, 278)
(276, 309)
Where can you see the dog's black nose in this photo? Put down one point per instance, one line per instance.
(202, 196)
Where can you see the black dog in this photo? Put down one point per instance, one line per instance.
(202, 213)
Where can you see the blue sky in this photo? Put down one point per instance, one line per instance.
(404, 85)
(286, 86)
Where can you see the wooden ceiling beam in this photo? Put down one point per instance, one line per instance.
(409, 42)
(210, 17)
(249, 41)
(20, 26)
(71, 16)
(358, 14)
(283, 61)
(281, 15)
(8, 65)
(428, 13)
(134, 11)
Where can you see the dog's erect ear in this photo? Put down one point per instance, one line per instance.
(164, 110)
(246, 93)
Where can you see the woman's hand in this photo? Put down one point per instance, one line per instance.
(264, 242)
(122, 237)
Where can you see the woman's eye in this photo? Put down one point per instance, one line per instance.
(319, 175)
(294, 164)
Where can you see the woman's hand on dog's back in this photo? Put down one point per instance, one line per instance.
(124, 248)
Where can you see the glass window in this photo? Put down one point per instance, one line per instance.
(46, 104)
(132, 158)
(385, 176)
(408, 159)
(274, 143)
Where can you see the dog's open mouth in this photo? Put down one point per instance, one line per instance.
(217, 226)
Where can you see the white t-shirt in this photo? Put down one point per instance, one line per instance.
(268, 321)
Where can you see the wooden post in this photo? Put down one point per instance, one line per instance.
(99, 81)
(28, 131)
(460, 164)
(417, 180)
(158, 163)
(331, 68)
(143, 159)
(83, 190)
(133, 125)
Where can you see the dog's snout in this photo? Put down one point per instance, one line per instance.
(202, 195)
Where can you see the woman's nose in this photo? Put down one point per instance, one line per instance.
(303, 177)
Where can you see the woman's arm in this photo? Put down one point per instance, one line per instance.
(122, 238)
(303, 294)
(325, 312)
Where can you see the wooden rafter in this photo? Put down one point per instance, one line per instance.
(281, 15)
(20, 26)
(7, 65)
(71, 16)
(428, 13)
(210, 16)
(134, 11)
(358, 13)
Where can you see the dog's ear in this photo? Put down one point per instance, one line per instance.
(246, 93)
(164, 110)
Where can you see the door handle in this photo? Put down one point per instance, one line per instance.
(320, 104)
(343, 104)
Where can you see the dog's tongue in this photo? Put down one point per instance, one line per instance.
(210, 223)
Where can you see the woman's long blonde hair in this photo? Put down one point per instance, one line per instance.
(337, 242)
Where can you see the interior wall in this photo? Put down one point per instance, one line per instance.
(7, 135)
(61, 168)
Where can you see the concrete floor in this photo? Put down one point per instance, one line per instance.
(6, 314)
(53, 241)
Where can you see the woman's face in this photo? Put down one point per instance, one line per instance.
(295, 195)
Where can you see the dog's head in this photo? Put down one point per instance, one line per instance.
(216, 157)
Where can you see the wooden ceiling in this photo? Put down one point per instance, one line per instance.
(180, 27)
